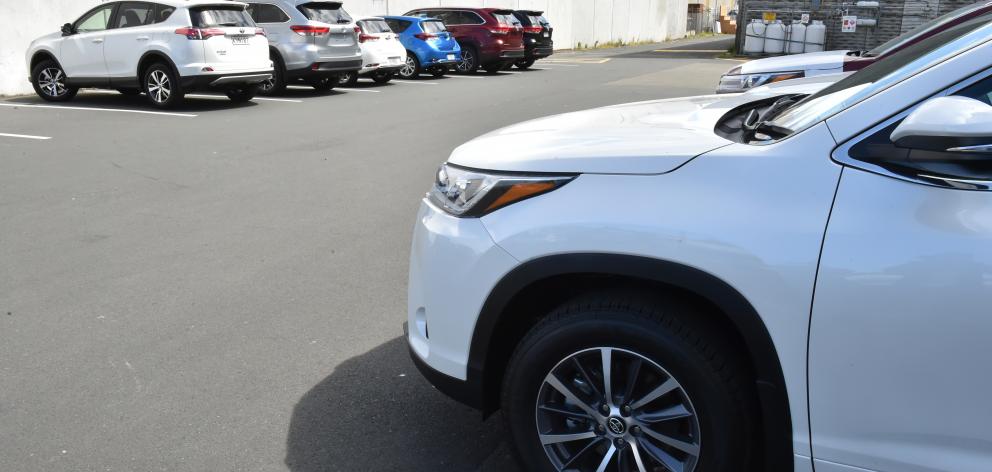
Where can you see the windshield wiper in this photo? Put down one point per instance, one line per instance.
(756, 122)
(227, 24)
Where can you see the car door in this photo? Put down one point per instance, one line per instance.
(81, 54)
(128, 38)
(901, 330)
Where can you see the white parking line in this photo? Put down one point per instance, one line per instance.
(414, 82)
(464, 77)
(119, 110)
(25, 136)
(356, 90)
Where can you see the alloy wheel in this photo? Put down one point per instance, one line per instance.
(611, 410)
(267, 85)
(159, 86)
(409, 67)
(468, 61)
(52, 82)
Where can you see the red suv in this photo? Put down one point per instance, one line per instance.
(491, 38)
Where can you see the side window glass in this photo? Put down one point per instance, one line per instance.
(162, 13)
(132, 14)
(981, 91)
(96, 20)
(265, 13)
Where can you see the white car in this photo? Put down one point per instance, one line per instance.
(163, 49)
(769, 281)
(383, 55)
(776, 69)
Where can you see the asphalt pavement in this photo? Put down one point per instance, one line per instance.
(222, 287)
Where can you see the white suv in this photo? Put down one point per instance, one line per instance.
(163, 48)
(634, 285)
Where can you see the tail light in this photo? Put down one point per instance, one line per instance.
(308, 30)
(501, 30)
(200, 33)
(367, 37)
(532, 29)
(358, 30)
(425, 36)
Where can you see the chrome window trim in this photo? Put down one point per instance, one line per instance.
(842, 156)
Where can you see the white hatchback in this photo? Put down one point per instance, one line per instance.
(383, 55)
(163, 49)
(792, 277)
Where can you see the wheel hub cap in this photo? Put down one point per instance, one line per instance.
(52, 82)
(611, 410)
(159, 87)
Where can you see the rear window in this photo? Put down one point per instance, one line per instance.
(398, 26)
(220, 16)
(265, 13)
(374, 26)
(538, 20)
(327, 12)
(432, 26)
(506, 18)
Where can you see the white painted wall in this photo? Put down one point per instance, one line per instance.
(575, 21)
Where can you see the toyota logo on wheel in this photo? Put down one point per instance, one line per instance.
(616, 425)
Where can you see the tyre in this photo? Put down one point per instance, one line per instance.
(324, 84)
(49, 81)
(277, 84)
(382, 77)
(524, 63)
(162, 86)
(614, 383)
(411, 69)
(470, 60)
(242, 94)
(129, 92)
(439, 72)
(348, 79)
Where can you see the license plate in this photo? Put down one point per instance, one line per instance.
(451, 57)
(239, 40)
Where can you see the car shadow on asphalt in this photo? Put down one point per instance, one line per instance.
(137, 103)
(376, 412)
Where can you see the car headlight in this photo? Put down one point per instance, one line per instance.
(471, 193)
(740, 82)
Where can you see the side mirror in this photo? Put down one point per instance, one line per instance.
(947, 124)
(68, 30)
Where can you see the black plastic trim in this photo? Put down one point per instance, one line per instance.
(776, 414)
(466, 392)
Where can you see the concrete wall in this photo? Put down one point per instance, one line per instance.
(575, 21)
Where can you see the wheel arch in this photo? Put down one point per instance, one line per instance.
(42, 55)
(535, 287)
(151, 57)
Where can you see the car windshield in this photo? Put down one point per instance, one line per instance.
(911, 35)
(327, 12)
(881, 75)
(432, 26)
(374, 26)
(220, 16)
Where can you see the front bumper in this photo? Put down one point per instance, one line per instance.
(454, 264)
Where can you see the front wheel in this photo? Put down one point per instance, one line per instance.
(411, 68)
(162, 86)
(51, 83)
(469, 62)
(242, 94)
(382, 77)
(348, 79)
(612, 383)
(524, 63)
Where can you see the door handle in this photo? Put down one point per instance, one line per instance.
(142, 38)
(98, 40)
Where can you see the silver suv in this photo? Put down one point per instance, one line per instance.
(309, 42)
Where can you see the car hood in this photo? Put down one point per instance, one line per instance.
(796, 62)
(652, 137)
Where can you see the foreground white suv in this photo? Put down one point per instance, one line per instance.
(634, 285)
(163, 49)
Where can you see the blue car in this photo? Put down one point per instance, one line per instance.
(429, 45)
